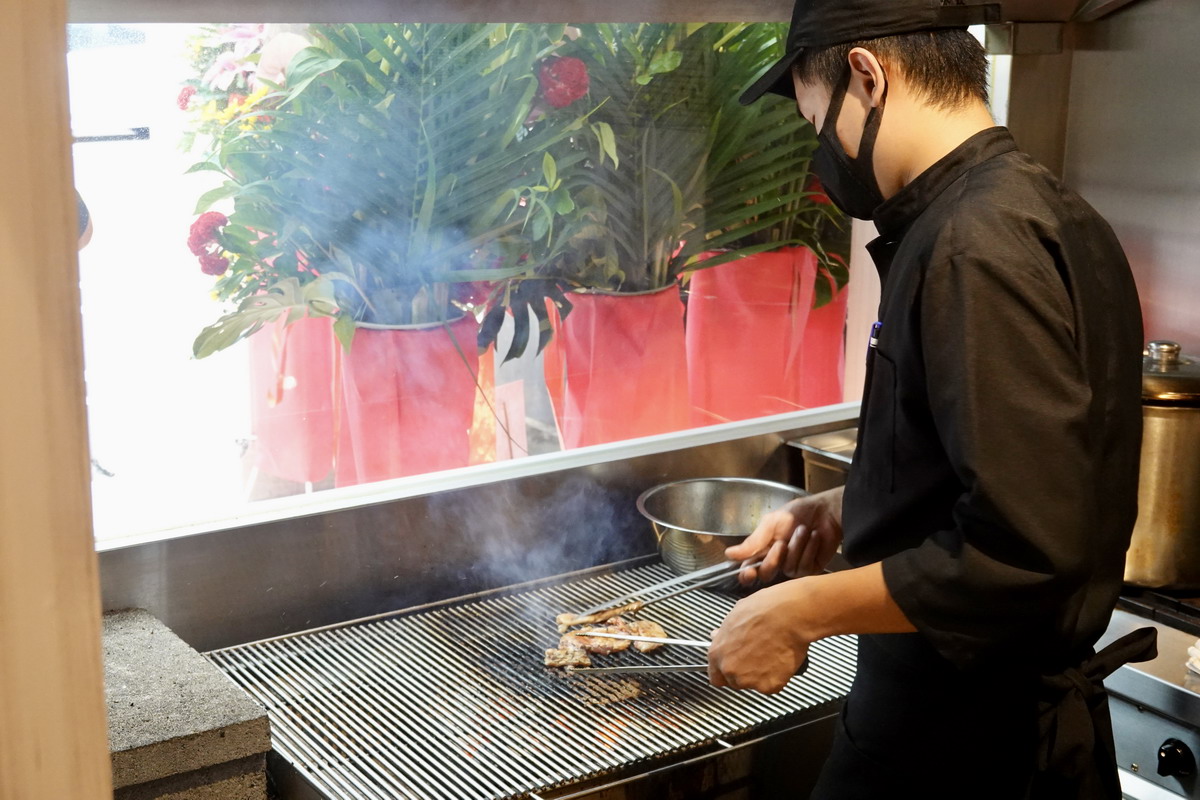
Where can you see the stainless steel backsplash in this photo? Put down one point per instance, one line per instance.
(1133, 151)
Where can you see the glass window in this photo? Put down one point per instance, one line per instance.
(326, 256)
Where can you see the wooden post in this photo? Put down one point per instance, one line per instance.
(53, 731)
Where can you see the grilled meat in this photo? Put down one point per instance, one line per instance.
(644, 627)
(566, 621)
(567, 657)
(602, 647)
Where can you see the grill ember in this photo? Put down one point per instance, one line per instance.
(452, 701)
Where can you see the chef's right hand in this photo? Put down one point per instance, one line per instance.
(798, 539)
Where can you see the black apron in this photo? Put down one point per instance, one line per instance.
(915, 726)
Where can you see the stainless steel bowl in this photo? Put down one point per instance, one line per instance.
(695, 520)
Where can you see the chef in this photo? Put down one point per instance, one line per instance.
(994, 487)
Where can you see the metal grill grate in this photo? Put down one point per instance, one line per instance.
(452, 702)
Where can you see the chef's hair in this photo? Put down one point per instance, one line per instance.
(948, 67)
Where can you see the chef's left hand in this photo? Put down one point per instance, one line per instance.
(761, 644)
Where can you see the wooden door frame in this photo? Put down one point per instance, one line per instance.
(53, 728)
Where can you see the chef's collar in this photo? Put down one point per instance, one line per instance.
(898, 212)
(825, 23)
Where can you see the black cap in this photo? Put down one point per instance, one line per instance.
(824, 23)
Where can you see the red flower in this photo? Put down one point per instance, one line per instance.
(818, 192)
(213, 264)
(203, 241)
(563, 80)
(204, 231)
(185, 97)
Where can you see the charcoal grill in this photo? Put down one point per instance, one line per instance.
(450, 701)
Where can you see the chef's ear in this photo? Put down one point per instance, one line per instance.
(867, 75)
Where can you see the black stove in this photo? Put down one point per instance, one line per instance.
(1155, 705)
(1178, 610)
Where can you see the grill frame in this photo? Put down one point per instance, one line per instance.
(502, 722)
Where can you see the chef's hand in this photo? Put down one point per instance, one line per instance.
(798, 539)
(761, 644)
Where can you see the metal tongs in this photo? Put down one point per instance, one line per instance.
(633, 669)
(631, 603)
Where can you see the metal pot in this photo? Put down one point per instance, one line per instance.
(1165, 550)
(695, 520)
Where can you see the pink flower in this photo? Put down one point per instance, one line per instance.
(185, 97)
(245, 38)
(563, 80)
(224, 69)
(211, 264)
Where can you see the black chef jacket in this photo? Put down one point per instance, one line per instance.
(996, 471)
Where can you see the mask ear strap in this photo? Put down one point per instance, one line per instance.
(838, 97)
(866, 146)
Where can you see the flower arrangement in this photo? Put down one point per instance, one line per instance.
(224, 62)
(685, 171)
(379, 171)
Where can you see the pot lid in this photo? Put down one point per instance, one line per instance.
(1169, 375)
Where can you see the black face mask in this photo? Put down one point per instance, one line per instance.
(849, 182)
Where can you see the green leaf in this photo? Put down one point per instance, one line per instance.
(520, 340)
(539, 226)
(665, 62)
(306, 66)
(343, 329)
(489, 328)
(561, 201)
(204, 166)
(206, 201)
(545, 327)
(822, 293)
(550, 170)
(608, 144)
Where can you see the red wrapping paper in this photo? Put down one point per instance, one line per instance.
(408, 399)
(823, 355)
(291, 399)
(616, 368)
(755, 345)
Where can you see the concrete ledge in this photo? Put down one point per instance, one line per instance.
(245, 779)
(171, 712)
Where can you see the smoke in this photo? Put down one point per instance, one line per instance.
(543, 526)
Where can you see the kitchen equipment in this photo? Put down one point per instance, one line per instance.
(450, 701)
(636, 669)
(632, 604)
(695, 520)
(1165, 548)
(632, 637)
(1155, 705)
(827, 458)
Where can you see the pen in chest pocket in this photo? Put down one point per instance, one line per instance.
(874, 341)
